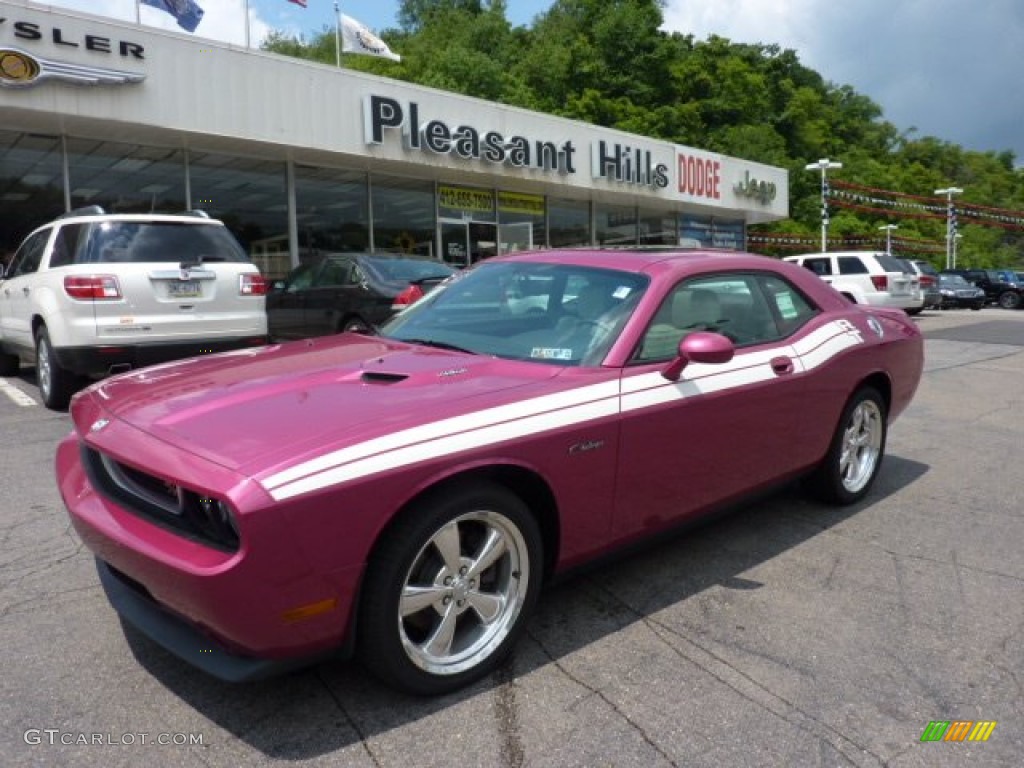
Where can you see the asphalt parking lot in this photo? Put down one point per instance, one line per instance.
(785, 634)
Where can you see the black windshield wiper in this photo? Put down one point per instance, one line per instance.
(438, 345)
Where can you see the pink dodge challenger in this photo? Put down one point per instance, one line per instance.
(403, 496)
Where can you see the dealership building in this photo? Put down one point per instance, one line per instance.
(300, 158)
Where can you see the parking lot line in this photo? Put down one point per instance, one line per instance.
(19, 397)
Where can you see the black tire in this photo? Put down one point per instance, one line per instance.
(355, 325)
(842, 478)
(56, 384)
(1009, 300)
(451, 589)
(9, 364)
(913, 312)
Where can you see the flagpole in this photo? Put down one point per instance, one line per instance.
(248, 42)
(337, 35)
(138, 11)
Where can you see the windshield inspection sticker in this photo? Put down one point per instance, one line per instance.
(551, 353)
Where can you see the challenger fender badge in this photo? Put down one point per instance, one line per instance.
(20, 69)
(876, 326)
(99, 424)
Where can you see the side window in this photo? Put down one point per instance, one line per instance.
(65, 246)
(733, 305)
(819, 266)
(852, 265)
(27, 259)
(334, 272)
(300, 279)
(789, 307)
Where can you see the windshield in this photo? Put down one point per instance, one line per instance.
(557, 314)
(952, 281)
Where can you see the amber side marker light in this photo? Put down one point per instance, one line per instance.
(310, 610)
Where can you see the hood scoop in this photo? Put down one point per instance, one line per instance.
(382, 377)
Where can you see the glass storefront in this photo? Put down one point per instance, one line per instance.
(657, 228)
(403, 215)
(568, 223)
(126, 178)
(331, 211)
(336, 210)
(31, 186)
(520, 222)
(615, 224)
(249, 195)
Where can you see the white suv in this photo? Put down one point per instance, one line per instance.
(866, 277)
(93, 293)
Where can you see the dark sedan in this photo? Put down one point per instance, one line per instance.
(348, 292)
(958, 293)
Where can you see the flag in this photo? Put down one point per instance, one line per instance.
(355, 38)
(187, 13)
(298, 2)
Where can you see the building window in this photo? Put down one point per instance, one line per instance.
(657, 228)
(332, 211)
(31, 186)
(249, 196)
(615, 224)
(568, 223)
(520, 222)
(126, 178)
(403, 215)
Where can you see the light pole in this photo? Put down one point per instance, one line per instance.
(888, 237)
(950, 222)
(824, 165)
(956, 239)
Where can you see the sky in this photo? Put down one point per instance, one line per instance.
(944, 68)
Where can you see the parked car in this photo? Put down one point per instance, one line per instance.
(866, 277)
(404, 496)
(93, 293)
(928, 279)
(998, 290)
(957, 293)
(349, 292)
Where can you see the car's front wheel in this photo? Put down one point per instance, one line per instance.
(855, 454)
(449, 589)
(56, 384)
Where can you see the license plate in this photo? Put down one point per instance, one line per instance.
(184, 289)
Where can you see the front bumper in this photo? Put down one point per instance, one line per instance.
(183, 639)
(231, 614)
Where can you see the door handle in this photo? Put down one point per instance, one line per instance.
(782, 365)
(25, 289)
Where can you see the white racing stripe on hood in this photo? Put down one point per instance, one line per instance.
(477, 421)
(550, 412)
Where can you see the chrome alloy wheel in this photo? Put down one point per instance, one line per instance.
(463, 593)
(861, 446)
(44, 372)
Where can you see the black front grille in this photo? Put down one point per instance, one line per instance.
(187, 512)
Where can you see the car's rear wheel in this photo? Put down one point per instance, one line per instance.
(855, 454)
(1009, 300)
(449, 590)
(56, 384)
(9, 364)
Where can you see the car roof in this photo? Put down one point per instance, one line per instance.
(640, 260)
